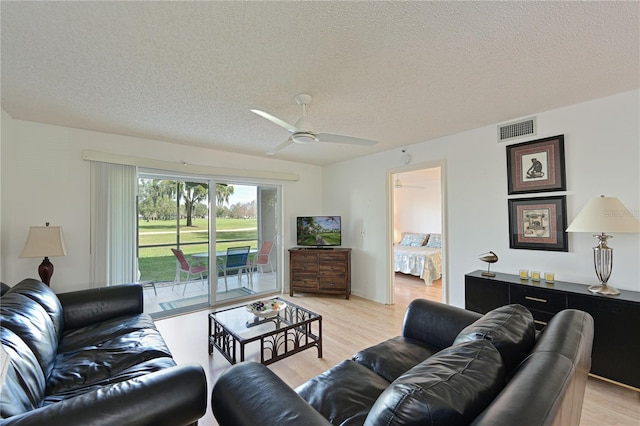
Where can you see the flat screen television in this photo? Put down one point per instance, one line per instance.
(318, 231)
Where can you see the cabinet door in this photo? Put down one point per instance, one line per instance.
(332, 271)
(542, 304)
(483, 295)
(304, 281)
(332, 267)
(304, 262)
(304, 270)
(616, 346)
(332, 283)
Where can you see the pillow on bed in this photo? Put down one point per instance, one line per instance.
(413, 239)
(435, 241)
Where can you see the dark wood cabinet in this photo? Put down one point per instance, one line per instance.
(320, 270)
(616, 345)
(616, 349)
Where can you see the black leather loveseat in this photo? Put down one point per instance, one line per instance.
(449, 367)
(90, 357)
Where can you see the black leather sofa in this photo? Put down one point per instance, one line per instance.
(449, 367)
(90, 357)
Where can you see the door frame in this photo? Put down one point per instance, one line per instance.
(442, 164)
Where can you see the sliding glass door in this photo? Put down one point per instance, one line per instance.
(173, 243)
(190, 257)
(246, 217)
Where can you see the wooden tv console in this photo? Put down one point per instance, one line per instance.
(616, 346)
(314, 270)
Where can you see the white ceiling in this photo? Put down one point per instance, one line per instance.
(396, 72)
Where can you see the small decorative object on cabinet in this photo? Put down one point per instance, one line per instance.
(616, 349)
(490, 258)
(320, 270)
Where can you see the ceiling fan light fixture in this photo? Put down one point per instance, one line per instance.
(304, 125)
(303, 132)
(304, 138)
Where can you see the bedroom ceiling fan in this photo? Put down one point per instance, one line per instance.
(303, 132)
(399, 185)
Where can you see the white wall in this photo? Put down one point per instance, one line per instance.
(417, 206)
(44, 179)
(602, 148)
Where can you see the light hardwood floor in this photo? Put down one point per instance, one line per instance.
(354, 324)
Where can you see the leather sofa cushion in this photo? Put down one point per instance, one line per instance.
(395, 356)
(510, 329)
(4, 288)
(563, 353)
(23, 385)
(574, 323)
(98, 333)
(137, 370)
(97, 363)
(45, 297)
(344, 394)
(450, 388)
(29, 321)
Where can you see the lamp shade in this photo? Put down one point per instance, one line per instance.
(604, 214)
(44, 241)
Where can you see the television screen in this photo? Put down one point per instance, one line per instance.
(319, 231)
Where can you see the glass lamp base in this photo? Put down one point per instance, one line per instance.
(604, 289)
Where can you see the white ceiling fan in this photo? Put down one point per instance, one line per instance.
(399, 185)
(303, 132)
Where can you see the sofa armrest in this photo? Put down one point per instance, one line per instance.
(173, 396)
(94, 305)
(250, 394)
(435, 323)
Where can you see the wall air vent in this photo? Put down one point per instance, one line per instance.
(517, 129)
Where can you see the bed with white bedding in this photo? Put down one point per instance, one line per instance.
(419, 258)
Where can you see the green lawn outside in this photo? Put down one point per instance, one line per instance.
(159, 264)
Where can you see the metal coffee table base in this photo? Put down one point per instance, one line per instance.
(292, 332)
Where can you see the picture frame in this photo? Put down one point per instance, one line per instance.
(536, 166)
(538, 223)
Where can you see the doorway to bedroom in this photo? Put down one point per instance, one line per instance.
(417, 223)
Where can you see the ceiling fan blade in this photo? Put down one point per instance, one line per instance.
(280, 147)
(399, 185)
(329, 137)
(290, 128)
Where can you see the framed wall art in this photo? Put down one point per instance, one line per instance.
(536, 166)
(538, 223)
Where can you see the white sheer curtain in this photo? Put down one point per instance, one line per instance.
(113, 224)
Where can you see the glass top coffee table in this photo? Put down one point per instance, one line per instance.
(286, 332)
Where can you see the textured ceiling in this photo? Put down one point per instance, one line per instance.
(396, 72)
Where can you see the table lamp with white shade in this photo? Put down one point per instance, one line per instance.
(601, 215)
(44, 241)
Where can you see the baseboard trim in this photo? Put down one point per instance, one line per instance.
(633, 388)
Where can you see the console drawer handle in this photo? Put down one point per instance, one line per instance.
(535, 299)
(540, 322)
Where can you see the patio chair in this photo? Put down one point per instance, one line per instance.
(183, 266)
(237, 259)
(264, 257)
